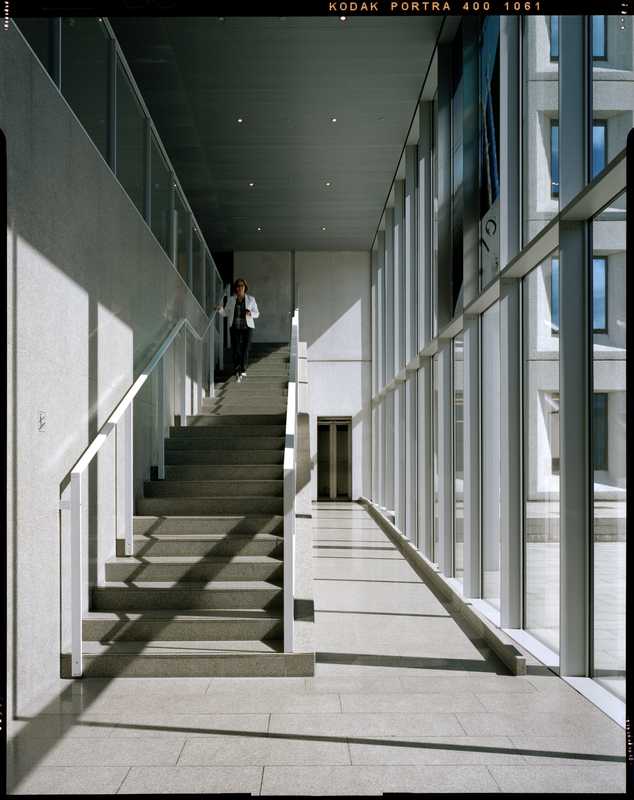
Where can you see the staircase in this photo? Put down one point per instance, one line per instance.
(202, 594)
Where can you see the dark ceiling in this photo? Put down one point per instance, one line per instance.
(286, 77)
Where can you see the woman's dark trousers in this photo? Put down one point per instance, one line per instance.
(240, 341)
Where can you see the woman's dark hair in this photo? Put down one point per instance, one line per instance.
(240, 280)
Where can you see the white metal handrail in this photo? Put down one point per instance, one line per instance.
(290, 484)
(123, 412)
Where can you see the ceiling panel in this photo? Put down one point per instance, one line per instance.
(286, 78)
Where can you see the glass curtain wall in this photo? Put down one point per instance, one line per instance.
(540, 70)
(490, 444)
(489, 160)
(540, 314)
(608, 446)
(457, 192)
(458, 456)
(183, 232)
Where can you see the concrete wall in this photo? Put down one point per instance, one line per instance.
(334, 292)
(270, 281)
(91, 294)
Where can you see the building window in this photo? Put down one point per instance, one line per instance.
(554, 158)
(599, 294)
(600, 431)
(599, 145)
(554, 38)
(599, 151)
(599, 38)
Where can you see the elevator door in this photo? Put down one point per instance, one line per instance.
(334, 458)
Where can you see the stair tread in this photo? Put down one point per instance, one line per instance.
(187, 615)
(190, 517)
(182, 648)
(165, 586)
(135, 560)
(208, 537)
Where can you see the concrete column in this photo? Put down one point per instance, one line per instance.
(411, 416)
(411, 263)
(389, 451)
(510, 456)
(510, 152)
(445, 462)
(424, 218)
(575, 352)
(400, 299)
(472, 581)
(389, 295)
(399, 439)
(424, 459)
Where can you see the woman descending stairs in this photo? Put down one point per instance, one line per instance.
(202, 594)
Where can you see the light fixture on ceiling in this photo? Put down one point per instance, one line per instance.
(333, 119)
(251, 184)
(323, 227)
(343, 19)
(240, 119)
(259, 228)
(328, 184)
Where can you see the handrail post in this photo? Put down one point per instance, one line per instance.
(160, 427)
(128, 427)
(290, 489)
(77, 575)
(183, 374)
(212, 361)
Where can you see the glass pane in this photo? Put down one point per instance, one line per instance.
(609, 443)
(434, 420)
(489, 169)
(599, 130)
(85, 59)
(541, 108)
(490, 393)
(458, 455)
(210, 284)
(130, 141)
(198, 265)
(37, 32)
(541, 452)
(612, 81)
(161, 199)
(598, 36)
(599, 294)
(434, 221)
(182, 238)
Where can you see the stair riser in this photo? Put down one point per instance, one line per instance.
(237, 457)
(242, 571)
(231, 546)
(240, 525)
(211, 506)
(208, 425)
(181, 630)
(228, 488)
(239, 419)
(254, 432)
(131, 599)
(225, 443)
(220, 666)
(224, 472)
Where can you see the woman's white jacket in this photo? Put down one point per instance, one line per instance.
(250, 305)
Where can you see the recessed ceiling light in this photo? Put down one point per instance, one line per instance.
(323, 227)
(343, 19)
(259, 229)
(240, 119)
(251, 183)
(333, 119)
(328, 183)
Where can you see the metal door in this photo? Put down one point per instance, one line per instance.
(334, 458)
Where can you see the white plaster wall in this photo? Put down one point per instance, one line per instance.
(334, 293)
(91, 294)
(270, 282)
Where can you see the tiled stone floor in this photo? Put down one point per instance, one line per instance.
(402, 701)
